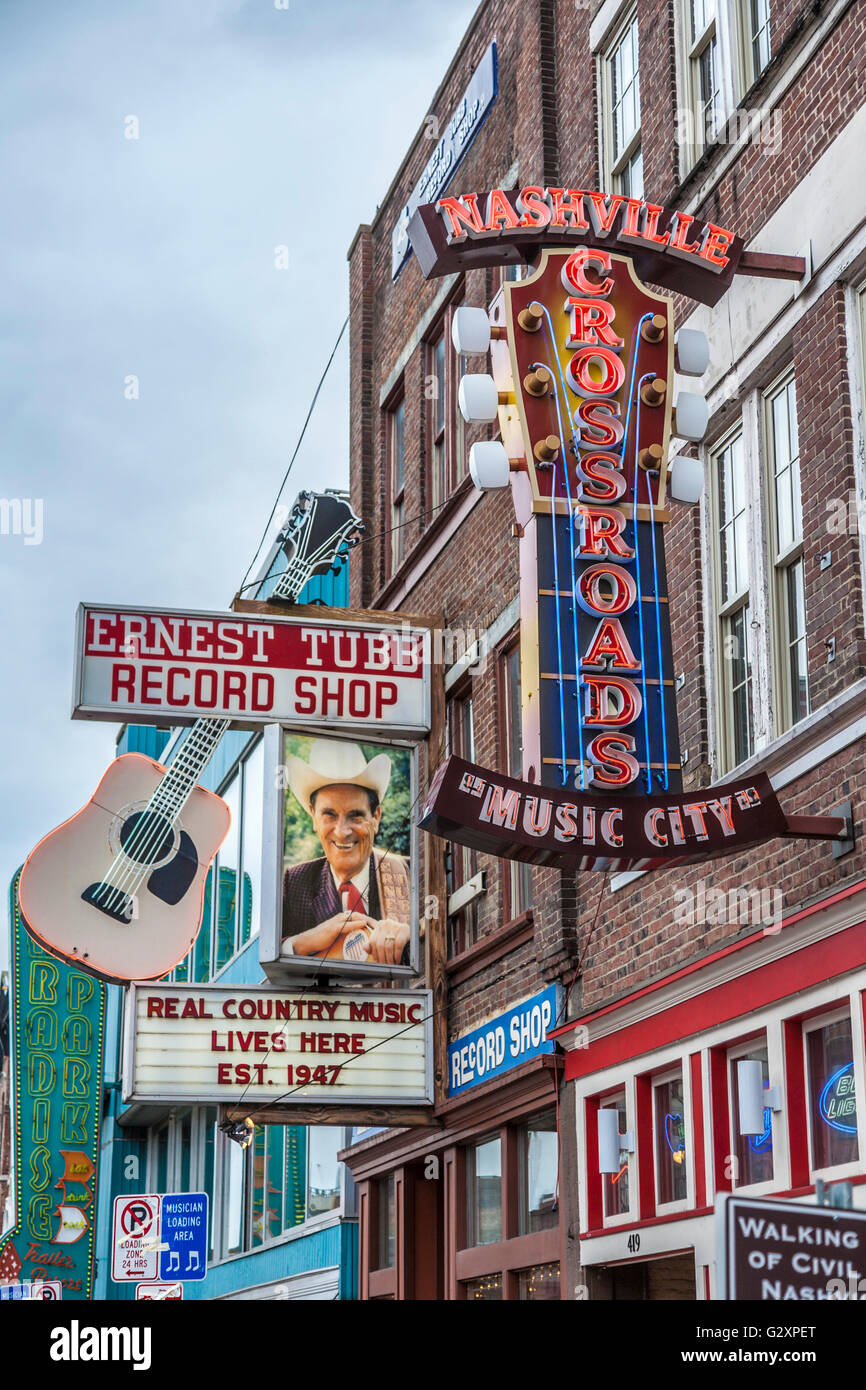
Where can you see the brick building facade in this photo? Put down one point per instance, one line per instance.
(748, 113)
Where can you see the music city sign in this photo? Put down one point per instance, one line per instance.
(583, 363)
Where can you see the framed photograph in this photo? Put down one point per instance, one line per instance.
(344, 854)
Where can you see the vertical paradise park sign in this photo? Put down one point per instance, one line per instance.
(57, 1037)
(583, 361)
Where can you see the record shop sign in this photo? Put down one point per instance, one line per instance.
(781, 1252)
(225, 1043)
(163, 665)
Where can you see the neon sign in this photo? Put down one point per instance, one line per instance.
(675, 1134)
(838, 1102)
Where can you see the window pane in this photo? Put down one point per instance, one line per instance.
(256, 1156)
(162, 1159)
(227, 878)
(387, 1223)
(209, 1133)
(484, 1185)
(489, 1288)
(625, 90)
(615, 1185)
(272, 1223)
(254, 772)
(542, 1281)
(295, 1176)
(398, 463)
(733, 534)
(759, 35)
(738, 670)
(754, 1152)
(184, 1138)
(323, 1190)
(795, 638)
(670, 1137)
(233, 1190)
(201, 950)
(539, 1159)
(832, 1099)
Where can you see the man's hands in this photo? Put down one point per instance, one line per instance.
(385, 943)
(320, 939)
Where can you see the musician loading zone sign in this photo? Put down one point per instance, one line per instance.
(153, 664)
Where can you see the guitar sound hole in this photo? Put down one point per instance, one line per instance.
(147, 837)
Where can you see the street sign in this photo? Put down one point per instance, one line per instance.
(159, 1293)
(135, 1238)
(48, 1290)
(771, 1251)
(14, 1291)
(183, 1243)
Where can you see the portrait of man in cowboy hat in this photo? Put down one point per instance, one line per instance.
(353, 902)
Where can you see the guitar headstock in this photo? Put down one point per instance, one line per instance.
(319, 533)
(591, 359)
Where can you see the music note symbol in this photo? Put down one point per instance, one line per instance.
(174, 1255)
(193, 1255)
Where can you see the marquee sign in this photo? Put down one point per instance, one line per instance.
(57, 1032)
(168, 665)
(583, 365)
(259, 1044)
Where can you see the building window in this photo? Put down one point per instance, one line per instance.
(753, 1152)
(789, 587)
(397, 478)
(438, 458)
(669, 1125)
(519, 875)
(446, 427)
(462, 862)
(286, 1176)
(538, 1175)
(755, 20)
(387, 1223)
(323, 1169)
(703, 61)
(488, 1287)
(484, 1192)
(615, 1186)
(539, 1282)
(832, 1093)
(733, 615)
(621, 99)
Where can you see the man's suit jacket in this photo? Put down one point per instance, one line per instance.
(310, 896)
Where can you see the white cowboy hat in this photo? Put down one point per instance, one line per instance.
(331, 763)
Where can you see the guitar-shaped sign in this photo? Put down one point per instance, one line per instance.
(320, 531)
(118, 889)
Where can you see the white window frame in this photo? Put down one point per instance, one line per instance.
(723, 27)
(749, 70)
(779, 562)
(735, 1054)
(626, 1094)
(677, 1071)
(614, 167)
(812, 1025)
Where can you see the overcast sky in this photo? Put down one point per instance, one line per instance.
(154, 258)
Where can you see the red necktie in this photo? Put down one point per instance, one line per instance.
(352, 900)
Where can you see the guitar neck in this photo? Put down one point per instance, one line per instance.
(195, 753)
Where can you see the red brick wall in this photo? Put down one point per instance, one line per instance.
(549, 126)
